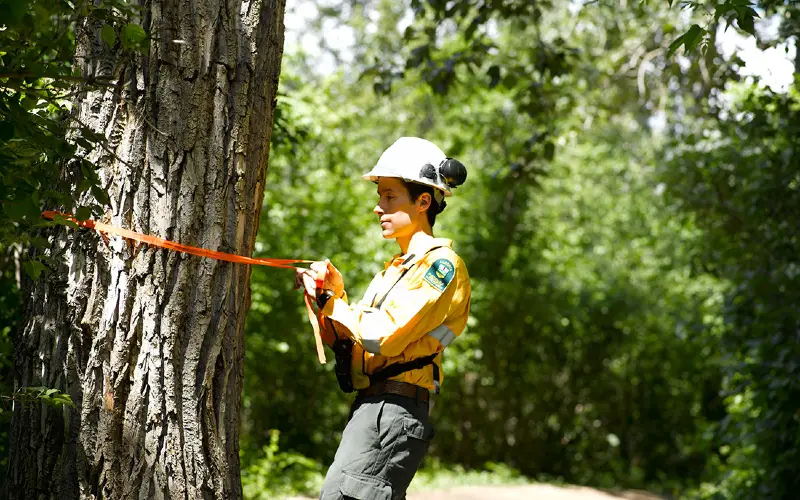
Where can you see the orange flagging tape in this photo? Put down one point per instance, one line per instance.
(312, 318)
(202, 252)
(171, 245)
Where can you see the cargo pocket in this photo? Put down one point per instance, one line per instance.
(362, 487)
(415, 429)
(409, 450)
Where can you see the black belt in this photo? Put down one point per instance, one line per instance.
(397, 388)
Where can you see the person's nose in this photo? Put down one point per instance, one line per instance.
(378, 210)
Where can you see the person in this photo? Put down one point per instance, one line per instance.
(388, 346)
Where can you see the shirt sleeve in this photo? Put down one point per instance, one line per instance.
(387, 331)
(371, 291)
(326, 330)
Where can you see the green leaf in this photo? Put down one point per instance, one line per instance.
(33, 268)
(108, 35)
(91, 135)
(39, 242)
(693, 37)
(88, 171)
(6, 131)
(28, 103)
(746, 20)
(62, 220)
(721, 9)
(549, 150)
(132, 36)
(689, 40)
(84, 143)
(63, 400)
(14, 12)
(83, 213)
(675, 44)
(100, 195)
(24, 209)
(494, 75)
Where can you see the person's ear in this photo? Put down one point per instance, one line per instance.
(424, 202)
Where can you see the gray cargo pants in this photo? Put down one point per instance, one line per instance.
(383, 444)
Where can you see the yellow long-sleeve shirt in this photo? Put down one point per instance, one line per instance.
(426, 308)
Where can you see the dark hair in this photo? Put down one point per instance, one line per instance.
(416, 190)
(451, 171)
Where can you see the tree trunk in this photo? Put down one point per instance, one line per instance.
(148, 342)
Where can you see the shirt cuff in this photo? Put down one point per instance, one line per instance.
(324, 298)
(327, 307)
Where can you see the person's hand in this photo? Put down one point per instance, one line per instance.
(304, 278)
(333, 278)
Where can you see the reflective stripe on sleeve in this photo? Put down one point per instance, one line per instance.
(443, 334)
(372, 325)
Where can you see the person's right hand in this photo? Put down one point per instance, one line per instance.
(304, 278)
(333, 278)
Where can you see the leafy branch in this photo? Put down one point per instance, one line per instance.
(92, 80)
(29, 396)
(741, 11)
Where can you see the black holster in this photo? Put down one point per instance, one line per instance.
(343, 351)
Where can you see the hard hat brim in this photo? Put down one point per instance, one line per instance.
(374, 174)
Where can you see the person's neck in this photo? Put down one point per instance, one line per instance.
(419, 234)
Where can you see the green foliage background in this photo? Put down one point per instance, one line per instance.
(607, 345)
(629, 222)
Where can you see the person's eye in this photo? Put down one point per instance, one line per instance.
(390, 198)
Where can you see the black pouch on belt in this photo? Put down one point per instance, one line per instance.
(343, 351)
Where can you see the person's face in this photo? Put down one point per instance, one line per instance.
(399, 216)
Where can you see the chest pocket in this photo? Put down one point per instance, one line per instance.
(376, 303)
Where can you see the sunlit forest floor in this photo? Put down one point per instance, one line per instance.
(520, 492)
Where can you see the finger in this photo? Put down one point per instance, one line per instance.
(310, 285)
(333, 275)
(319, 268)
(320, 273)
(298, 279)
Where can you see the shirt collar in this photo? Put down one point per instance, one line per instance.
(419, 248)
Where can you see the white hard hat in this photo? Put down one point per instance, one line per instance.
(415, 160)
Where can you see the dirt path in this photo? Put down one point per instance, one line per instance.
(533, 492)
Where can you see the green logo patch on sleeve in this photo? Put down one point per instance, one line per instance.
(440, 274)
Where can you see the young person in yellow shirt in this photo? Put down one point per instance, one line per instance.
(388, 345)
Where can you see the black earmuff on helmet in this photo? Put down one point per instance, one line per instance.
(453, 171)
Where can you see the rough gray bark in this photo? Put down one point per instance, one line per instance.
(148, 342)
